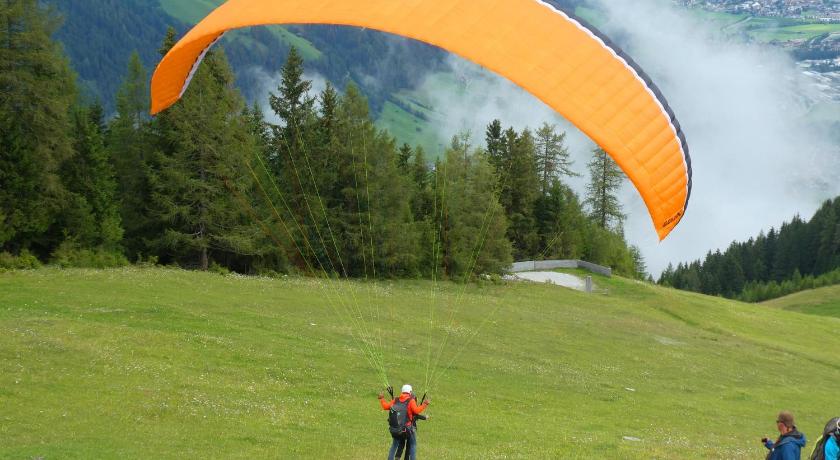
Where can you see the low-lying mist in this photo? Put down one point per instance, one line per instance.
(757, 160)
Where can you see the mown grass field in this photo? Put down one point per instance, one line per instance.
(768, 30)
(164, 363)
(823, 301)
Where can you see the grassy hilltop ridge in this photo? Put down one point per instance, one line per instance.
(824, 301)
(133, 362)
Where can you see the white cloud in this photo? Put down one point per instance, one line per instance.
(756, 160)
(479, 97)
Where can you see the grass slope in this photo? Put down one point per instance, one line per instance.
(139, 363)
(823, 301)
(432, 131)
(192, 11)
(411, 129)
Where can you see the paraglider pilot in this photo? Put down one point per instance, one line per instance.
(402, 412)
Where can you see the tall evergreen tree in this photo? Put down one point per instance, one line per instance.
(379, 191)
(129, 146)
(422, 202)
(474, 227)
(638, 263)
(93, 210)
(552, 155)
(36, 93)
(294, 105)
(520, 193)
(495, 144)
(605, 178)
(404, 157)
(561, 222)
(203, 144)
(293, 143)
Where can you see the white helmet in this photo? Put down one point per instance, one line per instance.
(407, 388)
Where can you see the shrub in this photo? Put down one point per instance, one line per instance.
(216, 268)
(23, 261)
(69, 255)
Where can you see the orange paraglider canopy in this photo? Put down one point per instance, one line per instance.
(556, 57)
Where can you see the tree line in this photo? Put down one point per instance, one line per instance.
(800, 255)
(317, 189)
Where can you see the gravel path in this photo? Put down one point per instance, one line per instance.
(560, 279)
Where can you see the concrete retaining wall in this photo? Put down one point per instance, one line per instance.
(535, 265)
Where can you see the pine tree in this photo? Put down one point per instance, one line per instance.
(273, 249)
(474, 227)
(640, 267)
(496, 151)
(422, 202)
(129, 146)
(89, 178)
(605, 179)
(203, 144)
(296, 141)
(327, 149)
(561, 222)
(404, 157)
(425, 207)
(296, 109)
(378, 194)
(169, 41)
(553, 158)
(36, 94)
(520, 191)
(667, 276)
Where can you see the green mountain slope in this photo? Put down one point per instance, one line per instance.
(99, 36)
(192, 11)
(189, 11)
(166, 363)
(408, 126)
(823, 301)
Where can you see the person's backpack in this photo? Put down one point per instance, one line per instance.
(832, 429)
(398, 420)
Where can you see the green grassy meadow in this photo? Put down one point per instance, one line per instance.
(411, 129)
(189, 11)
(165, 363)
(193, 11)
(823, 301)
(766, 30)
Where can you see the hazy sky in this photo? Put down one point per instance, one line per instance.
(756, 162)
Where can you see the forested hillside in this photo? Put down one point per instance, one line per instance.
(99, 34)
(210, 184)
(799, 255)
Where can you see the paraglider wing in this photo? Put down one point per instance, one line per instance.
(553, 55)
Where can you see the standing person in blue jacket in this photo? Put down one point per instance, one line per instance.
(827, 446)
(832, 450)
(790, 443)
